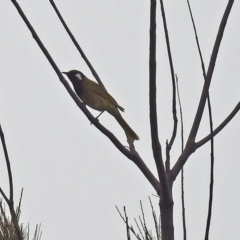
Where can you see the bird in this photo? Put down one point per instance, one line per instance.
(96, 96)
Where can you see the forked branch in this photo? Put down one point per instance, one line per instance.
(191, 146)
(198, 117)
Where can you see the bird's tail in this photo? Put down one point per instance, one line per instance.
(131, 135)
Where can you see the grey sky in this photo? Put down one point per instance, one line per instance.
(71, 174)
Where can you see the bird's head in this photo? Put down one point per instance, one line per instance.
(75, 76)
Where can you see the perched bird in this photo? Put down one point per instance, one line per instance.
(96, 97)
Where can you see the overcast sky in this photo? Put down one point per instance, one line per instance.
(72, 174)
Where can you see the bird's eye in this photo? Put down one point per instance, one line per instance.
(79, 77)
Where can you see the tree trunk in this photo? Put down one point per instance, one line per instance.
(166, 211)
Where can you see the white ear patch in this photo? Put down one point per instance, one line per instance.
(78, 75)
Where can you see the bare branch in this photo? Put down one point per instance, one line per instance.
(10, 200)
(191, 146)
(147, 173)
(183, 205)
(37, 233)
(157, 228)
(211, 131)
(174, 110)
(4, 195)
(210, 202)
(182, 172)
(220, 127)
(76, 44)
(144, 225)
(156, 146)
(181, 114)
(139, 229)
(198, 45)
(126, 222)
(127, 226)
(198, 117)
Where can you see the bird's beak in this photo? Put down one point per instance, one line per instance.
(64, 73)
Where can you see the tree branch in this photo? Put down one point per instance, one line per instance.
(182, 172)
(156, 146)
(220, 127)
(198, 117)
(191, 146)
(211, 132)
(10, 201)
(174, 110)
(76, 44)
(144, 169)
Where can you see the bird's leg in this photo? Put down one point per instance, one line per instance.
(97, 117)
(100, 114)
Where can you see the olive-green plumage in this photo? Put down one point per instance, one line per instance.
(96, 97)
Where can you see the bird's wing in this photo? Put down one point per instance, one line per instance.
(100, 91)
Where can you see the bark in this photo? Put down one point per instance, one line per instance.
(166, 210)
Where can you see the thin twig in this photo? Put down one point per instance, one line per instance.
(181, 114)
(39, 235)
(211, 170)
(127, 226)
(144, 222)
(182, 171)
(76, 44)
(3, 212)
(130, 227)
(4, 196)
(210, 202)
(198, 117)
(174, 109)
(197, 41)
(139, 229)
(10, 200)
(144, 229)
(220, 127)
(211, 131)
(183, 205)
(120, 213)
(18, 210)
